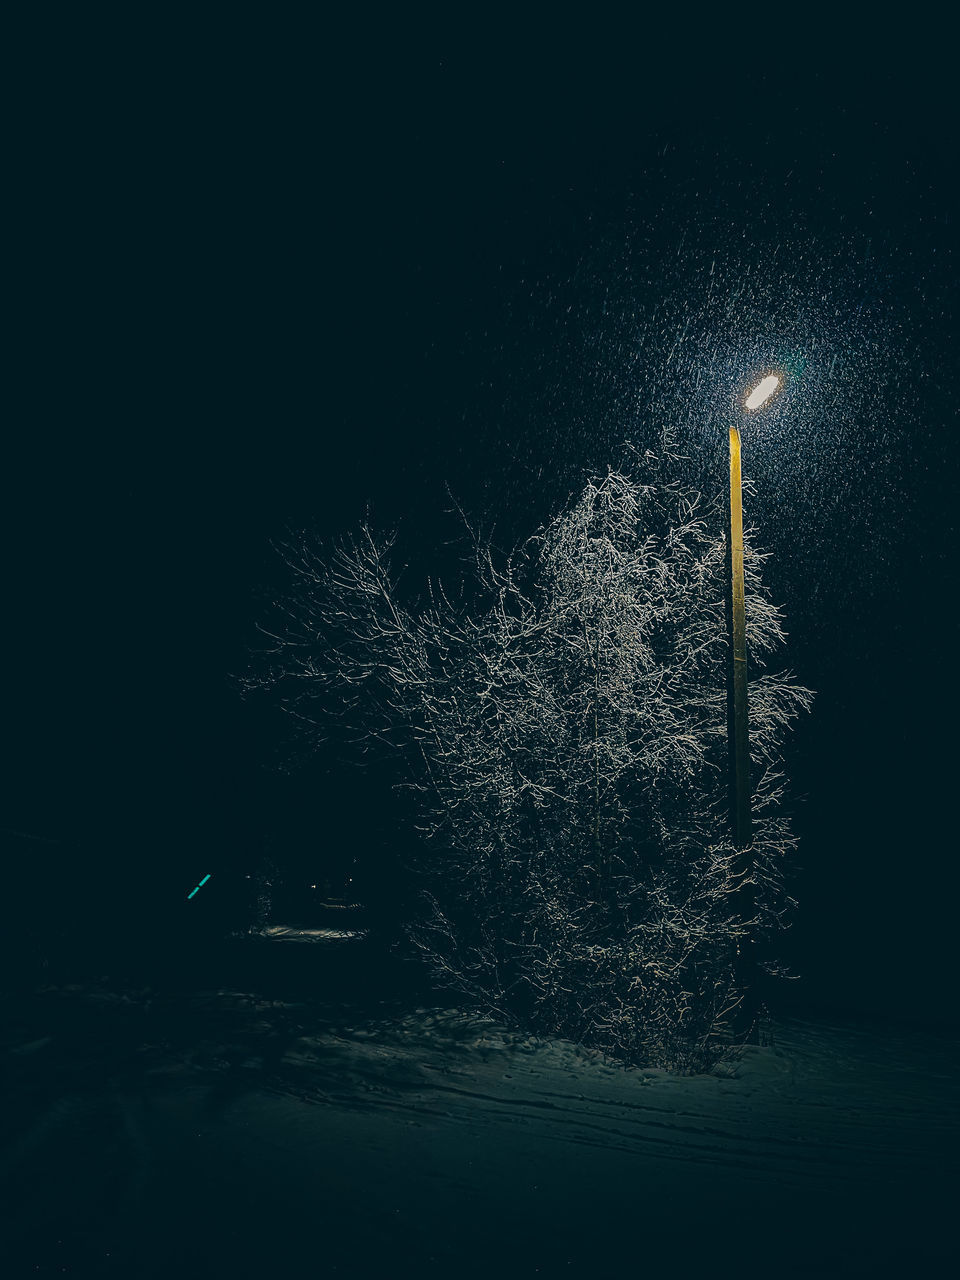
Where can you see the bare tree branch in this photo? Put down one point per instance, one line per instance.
(566, 736)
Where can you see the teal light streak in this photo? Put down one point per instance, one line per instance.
(199, 886)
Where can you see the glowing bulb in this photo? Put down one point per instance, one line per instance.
(762, 392)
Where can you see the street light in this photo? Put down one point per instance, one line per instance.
(739, 723)
(762, 392)
(739, 731)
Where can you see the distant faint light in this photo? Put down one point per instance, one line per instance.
(199, 887)
(762, 392)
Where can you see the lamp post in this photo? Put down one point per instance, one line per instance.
(738, 716)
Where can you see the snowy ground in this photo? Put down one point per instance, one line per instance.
(225, 1132)
(286, 933)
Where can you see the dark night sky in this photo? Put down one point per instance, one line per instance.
(267, 279)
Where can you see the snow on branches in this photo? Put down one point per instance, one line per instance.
(566, 733)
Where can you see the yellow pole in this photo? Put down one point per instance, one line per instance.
(747, 1027)
(739, 728)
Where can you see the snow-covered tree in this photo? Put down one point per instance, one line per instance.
(564, 723)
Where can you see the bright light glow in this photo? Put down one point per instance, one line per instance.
(762, 392)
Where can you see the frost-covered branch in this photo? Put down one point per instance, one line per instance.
(566, 735)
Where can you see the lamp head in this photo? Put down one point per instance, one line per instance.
(762, 392)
